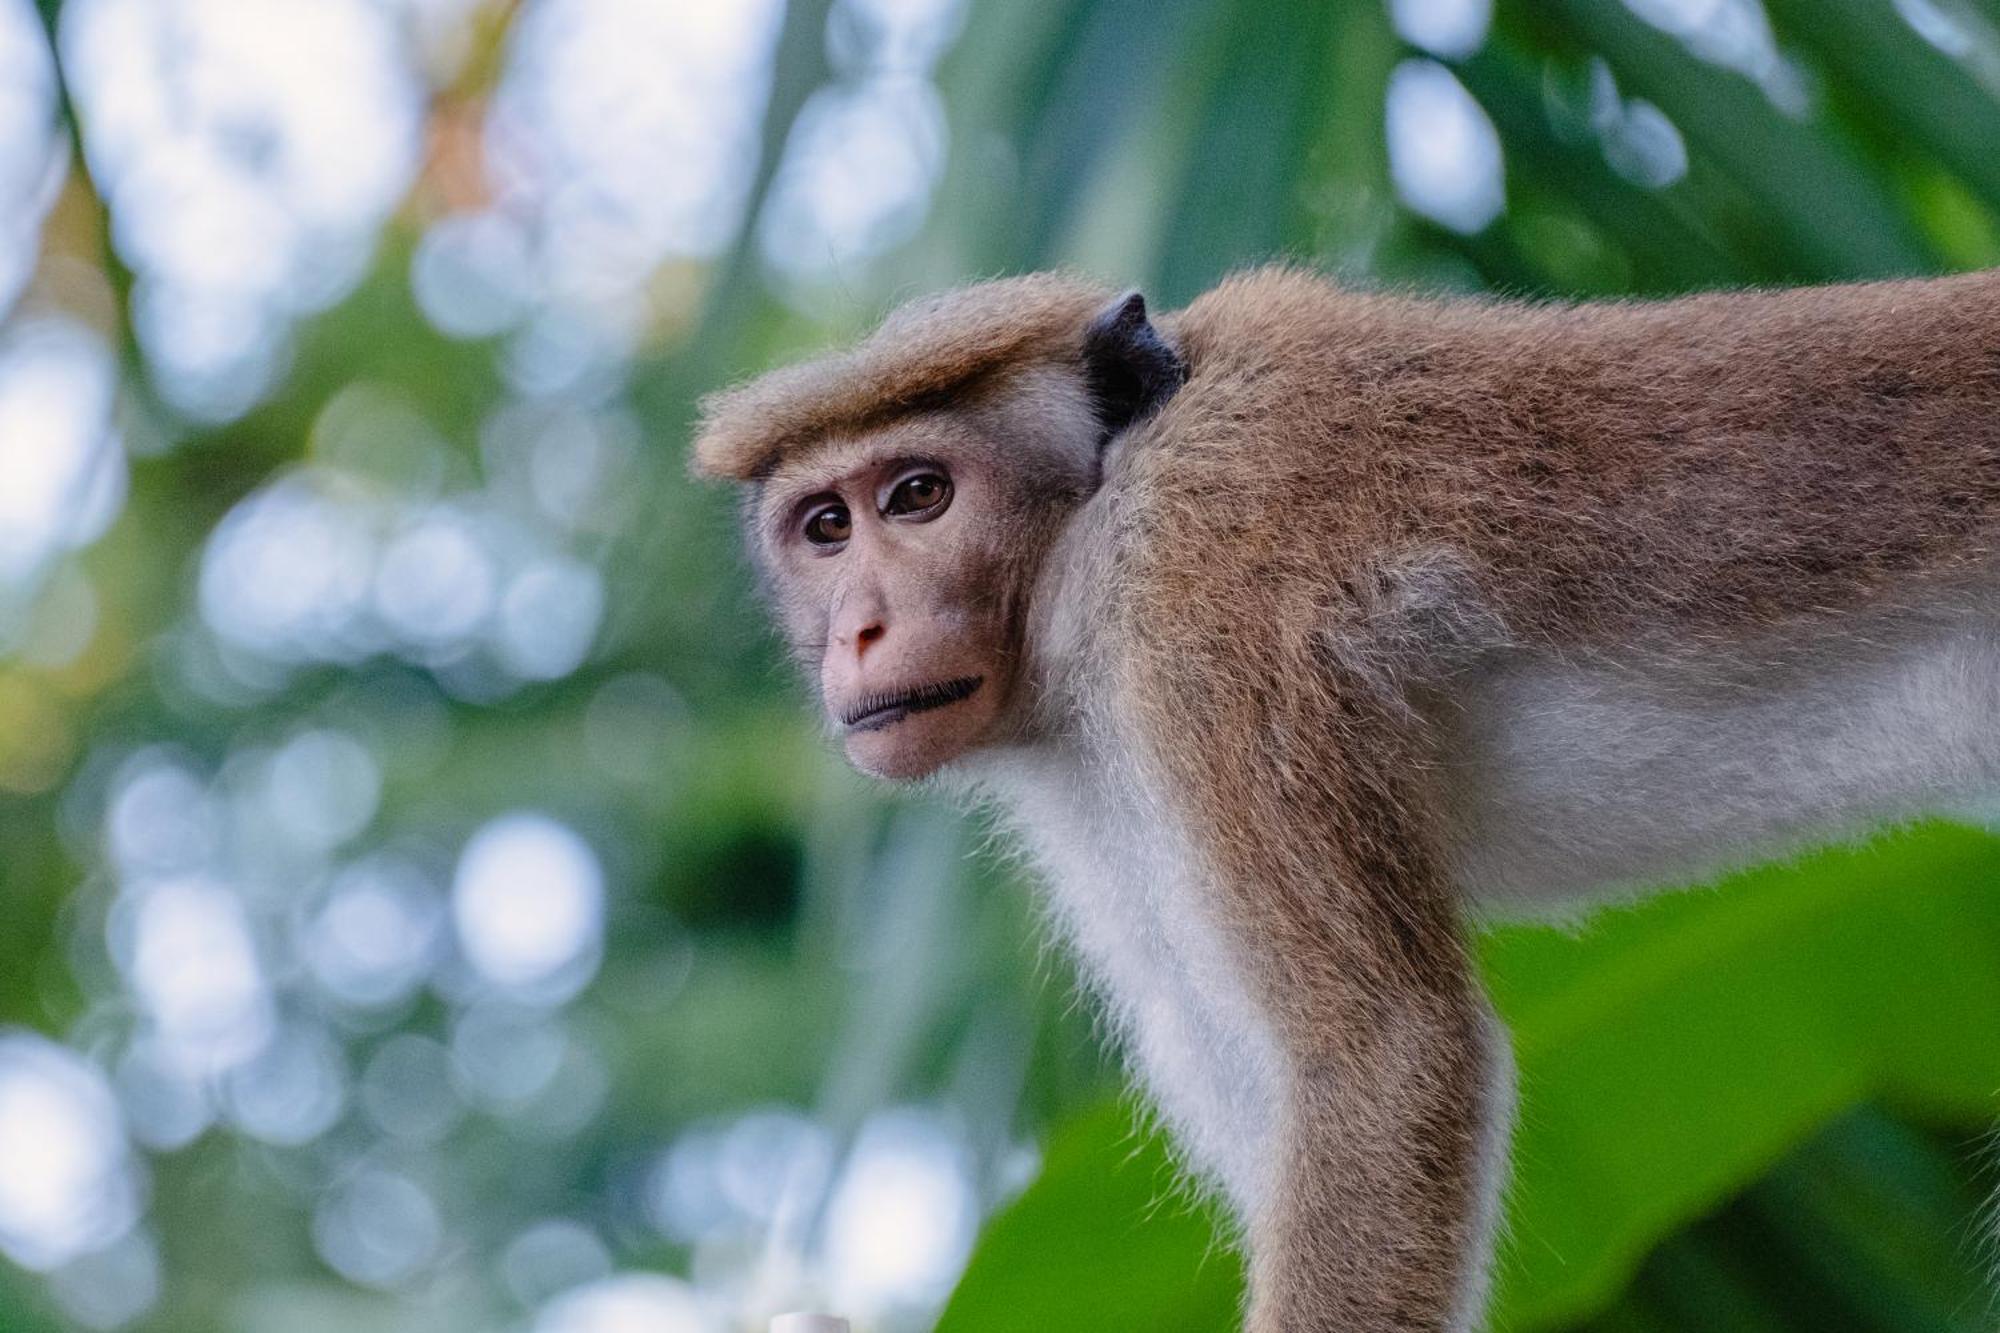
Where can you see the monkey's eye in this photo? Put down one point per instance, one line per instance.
(829, 525)
(921, 495)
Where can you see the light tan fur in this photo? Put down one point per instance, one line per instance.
(1261, 632)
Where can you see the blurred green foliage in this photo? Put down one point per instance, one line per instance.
(1748, 1109)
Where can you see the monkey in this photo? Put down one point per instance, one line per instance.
(1296, 631)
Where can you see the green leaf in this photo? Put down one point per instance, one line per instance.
(1664, 235)
(1835, 217)
(1106, 1239)
(1674, 1051)
(1907, 90)
(1264, 71)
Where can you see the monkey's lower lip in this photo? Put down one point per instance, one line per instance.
(886, 710)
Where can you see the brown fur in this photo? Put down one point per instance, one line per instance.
(923, 355)
(1600, 467)
(1353, 499)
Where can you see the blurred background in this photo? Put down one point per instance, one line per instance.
(425, 903)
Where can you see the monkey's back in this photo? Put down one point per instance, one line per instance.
(1729, 458)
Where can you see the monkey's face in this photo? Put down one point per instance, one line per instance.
(897, 563)
(908, 492)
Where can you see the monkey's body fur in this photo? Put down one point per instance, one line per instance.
(1400, 606)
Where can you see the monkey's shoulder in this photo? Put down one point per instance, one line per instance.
(1223, 597)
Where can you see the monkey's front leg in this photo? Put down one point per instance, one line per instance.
(1381, 1210)
(1376, 1211)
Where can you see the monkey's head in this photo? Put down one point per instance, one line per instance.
(901, 496)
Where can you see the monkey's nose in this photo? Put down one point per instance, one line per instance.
(860, 635)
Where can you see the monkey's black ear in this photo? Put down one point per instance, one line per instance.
(1131, 368)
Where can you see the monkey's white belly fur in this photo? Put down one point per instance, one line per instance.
(1585, 780)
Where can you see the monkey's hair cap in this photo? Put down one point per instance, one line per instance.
(920, 355)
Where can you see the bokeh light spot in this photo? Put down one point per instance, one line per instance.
(1444, 153)
(67, 1188)
(528, 904)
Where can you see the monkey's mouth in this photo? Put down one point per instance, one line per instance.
(877, 711)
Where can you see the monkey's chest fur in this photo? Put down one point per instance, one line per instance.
(1130, 897)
